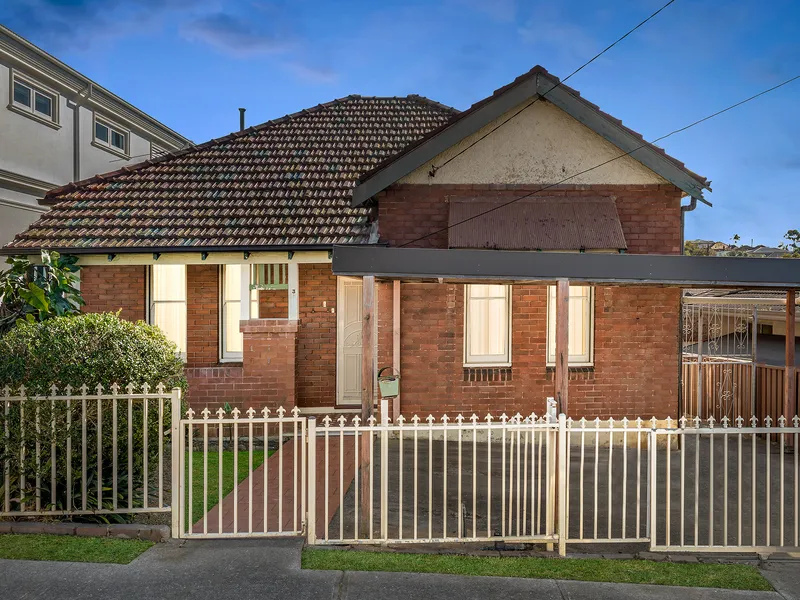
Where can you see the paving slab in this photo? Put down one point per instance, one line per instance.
(784, 576)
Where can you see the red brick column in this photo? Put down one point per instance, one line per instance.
(270, 353)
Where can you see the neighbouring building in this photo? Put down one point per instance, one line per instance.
(57, 126)
(227, 247)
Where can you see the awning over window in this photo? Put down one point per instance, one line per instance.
(536, 224)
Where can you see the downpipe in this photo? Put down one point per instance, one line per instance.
(684, 209)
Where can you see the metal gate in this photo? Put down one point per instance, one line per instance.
(718, 358)
(240, 476)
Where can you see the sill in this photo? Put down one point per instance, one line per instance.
(504, 365)
(33, 116)
(111, 150)
(573, 367)
(231, 361)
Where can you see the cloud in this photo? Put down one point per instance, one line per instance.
(233, 35)
(312, 74)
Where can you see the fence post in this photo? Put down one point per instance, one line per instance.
(176, 461)
(311, 487)
(385, 468)
(562, 484)
(651, 494)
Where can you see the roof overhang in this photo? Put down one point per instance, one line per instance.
(616, 269)
(537, 84)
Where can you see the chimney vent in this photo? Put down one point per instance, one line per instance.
(241, 119)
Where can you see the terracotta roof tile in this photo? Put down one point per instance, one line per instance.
(284, 183)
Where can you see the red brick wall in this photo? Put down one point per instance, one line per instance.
(114, 287)
(650, 214)
(316, 339)
(636, 329)
(202, 315)
(635, 357)
(266, 377)
(273, 304)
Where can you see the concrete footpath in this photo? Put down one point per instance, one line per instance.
(245, 569)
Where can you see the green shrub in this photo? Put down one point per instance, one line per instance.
(74, 351)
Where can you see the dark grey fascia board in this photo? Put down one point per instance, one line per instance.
(445, 139)
(619, 269)
(580, 110)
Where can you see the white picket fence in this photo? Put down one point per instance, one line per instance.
(673, 485)
(72, 452)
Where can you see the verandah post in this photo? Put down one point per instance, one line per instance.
(790, 380)
(562, 346)
(367, 393)
(562, 484)
(176, 461)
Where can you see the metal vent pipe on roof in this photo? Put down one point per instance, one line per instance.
(241, 119)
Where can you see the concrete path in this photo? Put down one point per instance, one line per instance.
(244, 569)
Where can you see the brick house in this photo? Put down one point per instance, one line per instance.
(182, 240)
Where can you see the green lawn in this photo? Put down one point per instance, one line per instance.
(213, 477)
(69, 548)
(738, 577)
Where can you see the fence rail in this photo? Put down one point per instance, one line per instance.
(83, 453)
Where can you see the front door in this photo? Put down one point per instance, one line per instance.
(348, 343)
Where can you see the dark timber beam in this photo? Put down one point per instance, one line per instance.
(417, 264)
(367, 391)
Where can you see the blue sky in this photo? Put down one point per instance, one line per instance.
(192, 63)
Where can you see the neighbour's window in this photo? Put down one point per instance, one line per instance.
(110, 136)
(581, 325)
(487, 325)
(168, 302)
(232, 339)
(33, 99)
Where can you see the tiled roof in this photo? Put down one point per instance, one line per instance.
(286, 182)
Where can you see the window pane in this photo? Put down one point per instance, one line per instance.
(580, 324)
(487, 323)
(233, 336)
(118, 139)
(168, 295)
(101, 132)
(22, 94)
(171, 319)
(44, 104)
(169, 282)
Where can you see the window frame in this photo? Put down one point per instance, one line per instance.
(478, 361)
(35, 88)
(151, 303)
(226, 356)
(112, 128)
(590, 318)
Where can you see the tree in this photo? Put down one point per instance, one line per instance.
(735, 239)
(38, 292)
(792, 244)
(692, 249)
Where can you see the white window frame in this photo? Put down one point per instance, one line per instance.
(584, 360)
(30, 111)
(226, 356)
(112, 127)
(487, 360)
(185, 302)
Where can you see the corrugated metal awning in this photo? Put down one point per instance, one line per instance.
(536, 224)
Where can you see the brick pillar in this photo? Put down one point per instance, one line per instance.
(269, 357)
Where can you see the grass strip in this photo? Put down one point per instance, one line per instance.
(735, 577)
(72, 549)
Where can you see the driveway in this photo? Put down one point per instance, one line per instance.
(245, 569)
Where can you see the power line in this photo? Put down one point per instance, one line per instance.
(435, 168)
(644, 145)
